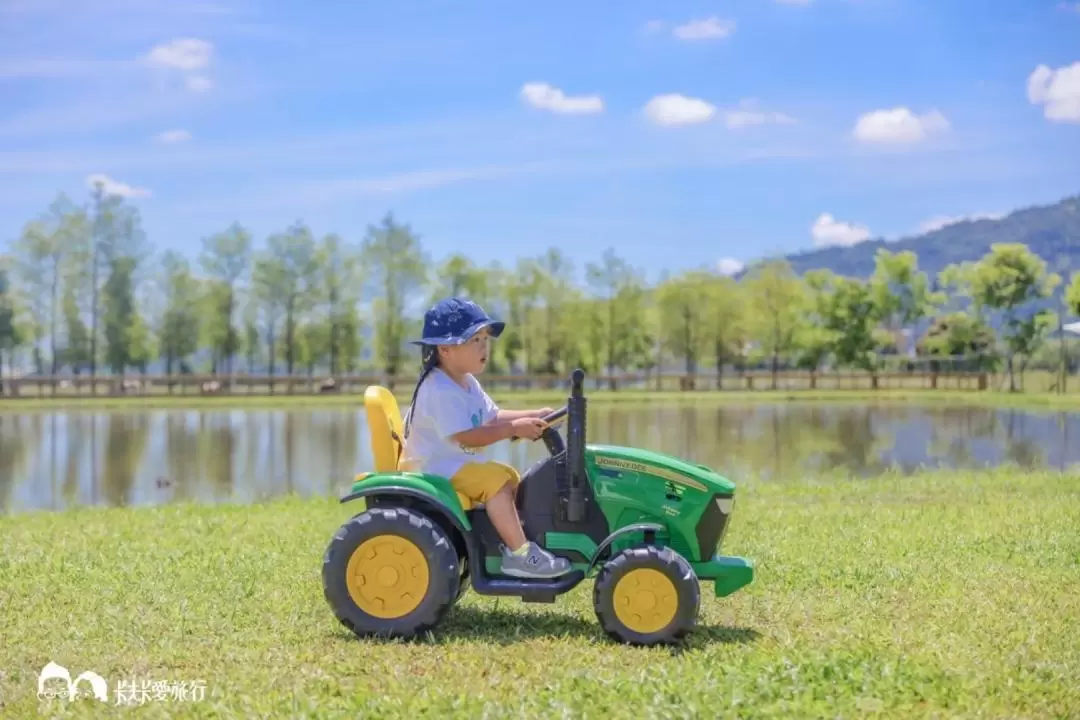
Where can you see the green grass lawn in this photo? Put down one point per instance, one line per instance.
(991, 398)
(941, 595)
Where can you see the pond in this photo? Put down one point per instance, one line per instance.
(56, 460)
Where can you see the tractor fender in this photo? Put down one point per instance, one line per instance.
(433, 489)
(636, 527)
(429, 502)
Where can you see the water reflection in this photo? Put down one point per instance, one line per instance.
(62, 459)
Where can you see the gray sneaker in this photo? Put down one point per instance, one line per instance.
(536, 563)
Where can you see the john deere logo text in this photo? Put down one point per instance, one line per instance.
(649, 470)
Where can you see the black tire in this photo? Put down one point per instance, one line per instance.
(683, 616)
(442, 569)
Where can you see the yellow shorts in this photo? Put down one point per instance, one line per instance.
(480, 481)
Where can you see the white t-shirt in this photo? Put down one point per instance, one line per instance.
(442, 409)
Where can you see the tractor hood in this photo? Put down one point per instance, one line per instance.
(671, 468)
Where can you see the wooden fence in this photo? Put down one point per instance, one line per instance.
(758, 380)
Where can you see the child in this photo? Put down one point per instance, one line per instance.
(451, 417)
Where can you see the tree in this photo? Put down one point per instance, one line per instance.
(40, 256)
(291, 255)
(350, 342)
(682, 318)
(814, 339)
(1072, 294)
(313, 345)
(458, 276)
(268, 303)
(852, 316)
(777, 300)
(76, 351)
(10, 336)
(117, 247)
(118, 315)
(179, 329)
(959, 334)
(522, 293)
(556, 281)
(337, 268)
(1009, 279)
(396, 267)
(725, 317)
(226, 259)
(619, 288)
(901, 292)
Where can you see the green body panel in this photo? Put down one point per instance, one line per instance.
(727, 573)
(634, 486)
(434, 485)
(570, 541)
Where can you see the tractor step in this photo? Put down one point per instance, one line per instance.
(530, 590)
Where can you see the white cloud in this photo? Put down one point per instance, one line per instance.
(899, 126)
(185, 54)
(729, 266)
(710, 28)
(189, 56)
(1058, 91)
(749, 113)
(115, 187)
(547, 97)
(827, 231)
(939, 221)
(674, 110)
(170, 137)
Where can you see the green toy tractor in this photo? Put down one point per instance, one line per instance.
(647, 526)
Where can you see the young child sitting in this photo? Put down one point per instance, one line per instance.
(451, 417)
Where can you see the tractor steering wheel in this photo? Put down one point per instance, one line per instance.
(551, 437)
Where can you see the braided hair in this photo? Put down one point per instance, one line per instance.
(430, 360)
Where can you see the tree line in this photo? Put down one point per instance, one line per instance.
(83, 291)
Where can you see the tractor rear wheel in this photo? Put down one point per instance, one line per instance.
(647, 596)
(377, 577)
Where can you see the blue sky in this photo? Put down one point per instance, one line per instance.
(689, 133)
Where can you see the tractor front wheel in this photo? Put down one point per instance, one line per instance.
(647, 596)
(378, 578)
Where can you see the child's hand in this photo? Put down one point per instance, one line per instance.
(544, 412)
(528, 427)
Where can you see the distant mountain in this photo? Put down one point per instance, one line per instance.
(1051, 231)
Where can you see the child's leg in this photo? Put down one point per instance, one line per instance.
(494, 484)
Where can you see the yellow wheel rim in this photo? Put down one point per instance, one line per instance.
(645, 600)
(387, 576)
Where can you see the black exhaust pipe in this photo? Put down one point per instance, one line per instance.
(575, 448)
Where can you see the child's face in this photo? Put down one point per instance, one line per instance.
(469, 357)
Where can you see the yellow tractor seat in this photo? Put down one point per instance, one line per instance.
(386, 428)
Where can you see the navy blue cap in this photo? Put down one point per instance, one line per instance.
(454, 320)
